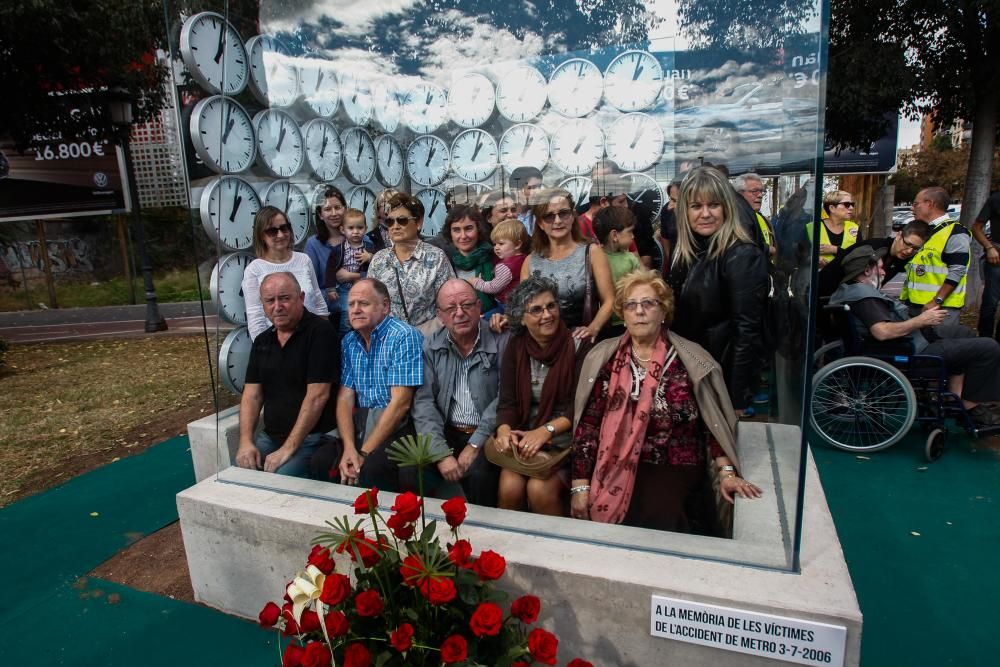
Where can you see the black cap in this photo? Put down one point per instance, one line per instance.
(856, 261)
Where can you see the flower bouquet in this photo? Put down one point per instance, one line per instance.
(409, 600)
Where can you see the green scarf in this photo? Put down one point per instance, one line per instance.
(480, 262)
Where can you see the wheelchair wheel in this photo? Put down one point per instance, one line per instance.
(861, 404)
(935, 445)
(828, 353)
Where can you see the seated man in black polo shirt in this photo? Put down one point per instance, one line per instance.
(973, 363)
(291, 369)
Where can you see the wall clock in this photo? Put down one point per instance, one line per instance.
(435, 211)
(289, 198)
(471, 100)
(474, 155)
(425, 107)
(427, 160)
(524, 145)
(575, 88)
(280, 149)
(226, 287)
(577, 146)
(634, 142)
(521, 94)
(324, 152)
(227, 207)
(363, 199)
(633, 81)
(359, 155)
(213, 53)
(222, 134)
(274, 80)
(319, 87)
(388, 161)
(388, 109)
(234, 354)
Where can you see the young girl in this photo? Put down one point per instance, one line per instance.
(348, 263)
(511, 244)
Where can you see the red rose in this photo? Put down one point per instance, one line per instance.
(460, 553)
(412, 570)
(454, 649)
(369, 550)
(269, 615)
(454, 511)
(309, 621)
(401, 529)
(316, 655)
(366, 502)
(579, 662)
(336, 624)
(526, 608)
(520, 663)
(490, 565)
(357, 655)
(291, 627)
(543, 646)
(336, 588)
(368, 603)
(487, 620)
(438, 590)
(292, 656)
(407, 506)
(321, 558)
(402, 638)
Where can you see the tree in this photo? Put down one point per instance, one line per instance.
(61, 55)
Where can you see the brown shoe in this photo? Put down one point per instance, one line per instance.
(984, 416)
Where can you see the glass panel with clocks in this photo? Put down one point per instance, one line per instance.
(311, 108)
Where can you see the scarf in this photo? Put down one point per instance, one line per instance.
(559, 386)
(623, 430)
(480, 262)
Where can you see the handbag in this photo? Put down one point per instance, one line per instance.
(539, 466)
(588, 297)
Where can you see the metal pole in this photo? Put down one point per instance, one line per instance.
(154, 321)
(43, 249)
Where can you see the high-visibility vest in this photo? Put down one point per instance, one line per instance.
(850, 236)
(926, 272)
(765, 229)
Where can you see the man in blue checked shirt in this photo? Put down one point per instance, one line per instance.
(381, 368)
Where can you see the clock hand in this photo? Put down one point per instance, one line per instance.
(527, 144)
(579, 144)
(433, 207)
(322, 149)
(364, 208)
(479, 146)
(638, 70)
(360, 146)
(635, 139)
(319, 80)
(281, 136)
(430, 98)
(236, 207)
(222, 44)
(229, 127)
(430, 155)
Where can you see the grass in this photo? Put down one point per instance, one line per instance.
(69, 407)
(175, 285)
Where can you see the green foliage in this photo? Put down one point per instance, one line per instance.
(420, 451)
(171, 286)
(745, 25)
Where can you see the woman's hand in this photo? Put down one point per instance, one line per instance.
(531, 441)
(498, 322)
(734, 485)
(332, 294)
(504, 440)
(828, 249)
(579, 505)
(585, 333)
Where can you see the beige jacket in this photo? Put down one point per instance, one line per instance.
(709, 388)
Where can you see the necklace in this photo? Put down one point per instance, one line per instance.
(640, 359)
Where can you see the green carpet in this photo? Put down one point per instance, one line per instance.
(928, 598)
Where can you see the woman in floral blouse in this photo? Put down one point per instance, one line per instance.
(650, 408)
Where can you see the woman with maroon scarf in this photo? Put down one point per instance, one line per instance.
(535, 406)
(651, 407)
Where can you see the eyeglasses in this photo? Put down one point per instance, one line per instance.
(911, 246)
(755, 191)
(280, 229)
(536, 311)
(565, 214)
(647, 304)
(464, 307)
(402, 222)
(504, 209)
(846, 204)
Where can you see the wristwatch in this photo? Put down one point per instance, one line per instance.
(550, 428)
(938, 300)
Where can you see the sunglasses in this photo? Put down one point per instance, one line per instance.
(402, 221)
(272, 232)
(846, 204)
(565, 214)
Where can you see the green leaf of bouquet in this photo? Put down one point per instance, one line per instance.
(421, 450)
(469, 595)
(383, 657)
(411, 614)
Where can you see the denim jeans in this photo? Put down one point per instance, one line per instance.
(298, 464)
(991, 297)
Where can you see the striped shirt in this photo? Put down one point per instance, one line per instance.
(352, 257)
(462, 410)
(394, 359)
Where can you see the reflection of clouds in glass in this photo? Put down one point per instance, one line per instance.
(354, 17)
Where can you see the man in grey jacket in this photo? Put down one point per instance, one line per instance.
(457, 403)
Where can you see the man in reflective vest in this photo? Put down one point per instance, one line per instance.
(937, 274)
(751, 188)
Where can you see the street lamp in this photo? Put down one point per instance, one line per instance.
(120, 108)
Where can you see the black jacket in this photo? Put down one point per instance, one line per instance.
(720, 304)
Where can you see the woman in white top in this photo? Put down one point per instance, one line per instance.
(272, 243)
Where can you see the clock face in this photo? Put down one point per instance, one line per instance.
(427, 160)
(576, 88)
(213, 53)
(226, 287)
(635, 142)
(222, 134)
(471, 100)
(388, 109)
(359, 155)
(434, 211)
(234, 355)
(633, 81)
(289, 198)
(474, 155)
(521, 94)
(280, 149)
(524, 145)
(228, 206)
(389, 161)
(425, 107)
(645, 195)
(356, 99)
(323, 150)
(577, 146)
(273, 78)
(363, 199)
(579, 187)
(319, 87)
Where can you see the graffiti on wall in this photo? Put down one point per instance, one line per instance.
(67, 256)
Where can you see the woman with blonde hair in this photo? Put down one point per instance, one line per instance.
(719, 276)
(838, 233)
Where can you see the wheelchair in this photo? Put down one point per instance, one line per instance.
(867, 394)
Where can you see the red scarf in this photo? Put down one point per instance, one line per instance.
(559, 386)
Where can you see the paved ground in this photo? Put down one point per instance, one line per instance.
(37, 326)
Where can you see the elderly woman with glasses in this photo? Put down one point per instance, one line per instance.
(272, 243)
(651, 408)
(537, 381)
(837, 235)
(411, 269)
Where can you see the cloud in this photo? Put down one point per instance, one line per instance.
(355, 17)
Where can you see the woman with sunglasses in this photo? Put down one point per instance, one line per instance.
(272, 243)
(581, 269)
(837, 234)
